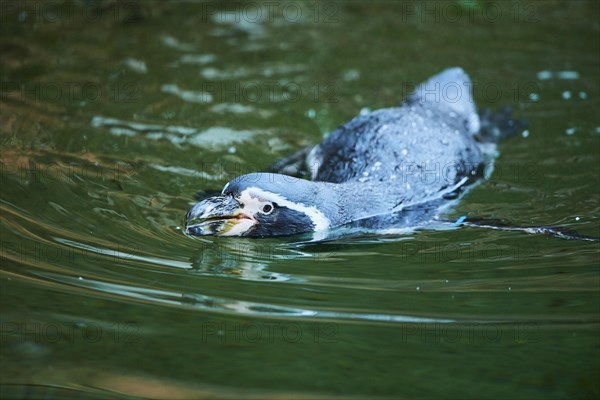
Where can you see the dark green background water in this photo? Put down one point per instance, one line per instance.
(114, 114)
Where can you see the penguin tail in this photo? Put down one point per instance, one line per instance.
(497, 126)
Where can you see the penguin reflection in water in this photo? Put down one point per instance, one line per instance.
(392, 168)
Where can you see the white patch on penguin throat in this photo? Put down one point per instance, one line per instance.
(240, 228)
(319, 220)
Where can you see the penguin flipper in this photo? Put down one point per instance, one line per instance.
(294, 165)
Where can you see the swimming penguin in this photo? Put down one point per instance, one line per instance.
(393, 167)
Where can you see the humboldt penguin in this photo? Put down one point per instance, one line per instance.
(396, 167)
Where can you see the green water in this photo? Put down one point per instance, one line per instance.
(114, 114)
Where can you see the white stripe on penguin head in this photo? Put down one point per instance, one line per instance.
(319, 220)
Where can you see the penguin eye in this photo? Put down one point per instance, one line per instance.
(267, 208)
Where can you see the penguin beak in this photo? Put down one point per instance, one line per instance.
(219, 215)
